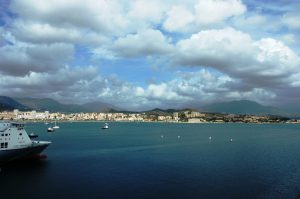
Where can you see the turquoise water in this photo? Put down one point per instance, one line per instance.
(149, 160)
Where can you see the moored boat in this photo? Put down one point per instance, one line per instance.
(105, 126)
(55, 126)
(32, 135)
(50, 129)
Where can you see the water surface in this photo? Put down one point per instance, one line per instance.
(160, 160)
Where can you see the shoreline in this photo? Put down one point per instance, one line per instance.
(167, 122)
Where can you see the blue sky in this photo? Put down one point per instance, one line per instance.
(141, 54)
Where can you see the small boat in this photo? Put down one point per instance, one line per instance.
(55, 126)
(32, 135)
(50, 129)
(105, 126)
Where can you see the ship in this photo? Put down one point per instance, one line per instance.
(16, 144)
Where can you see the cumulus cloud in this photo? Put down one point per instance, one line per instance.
(263, 63)
(289, 39)
(102, 16)
(19, 58)
(178, 18)
(147, 11)
(225, 51)
(145, 42)
(187, 88)
(291, 20)
(44, 33)
(214, 11)
(251, 22)
(202, 13)
(35, 83)
(195, 89)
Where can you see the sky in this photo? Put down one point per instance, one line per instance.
(143, 54)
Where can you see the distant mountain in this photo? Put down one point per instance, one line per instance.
(243, 107)
(158, 111)
(9, 104)
(47, 104)
(99, 107)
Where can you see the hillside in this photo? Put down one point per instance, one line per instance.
(51, 105)
(9, 104)
(242, 107)
(48, 104)
(99, 107)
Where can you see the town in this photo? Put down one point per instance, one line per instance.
(187, 116)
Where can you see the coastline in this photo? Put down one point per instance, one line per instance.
(185, 117)
(167, 122)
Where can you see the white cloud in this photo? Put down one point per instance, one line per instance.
(21, 58)
(44, 33)
(142, 11)
(256, 94)
(252, 22)
(198, 88)
(213, 48)
(162, 92)
(143, 43)
(103, 53)
(265, 62)
(291, 20)
(178, 18)
(276, 58)
(215, 11)
(289, 39)
(195, 16)
(98, 15)
(36, 83)
(40, 42)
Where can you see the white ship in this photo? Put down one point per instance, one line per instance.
(16, 144)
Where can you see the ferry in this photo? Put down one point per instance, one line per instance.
(16, 144)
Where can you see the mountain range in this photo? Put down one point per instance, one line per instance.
(47, 104)
(9, 104)
(243, 107)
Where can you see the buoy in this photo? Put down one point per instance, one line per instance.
(231, 140)
(162, 136)
(178, 136)
(209, 137)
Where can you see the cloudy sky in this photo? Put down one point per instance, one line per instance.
(143, 54)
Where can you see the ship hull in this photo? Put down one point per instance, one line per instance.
(22, 153)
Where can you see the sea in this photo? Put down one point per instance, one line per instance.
(160, 161)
